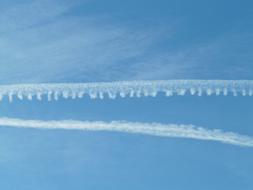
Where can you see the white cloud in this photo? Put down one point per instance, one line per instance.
(154, 129)
(127, 88)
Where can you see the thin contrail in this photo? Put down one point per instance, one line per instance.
(127, 88)
(154, 129)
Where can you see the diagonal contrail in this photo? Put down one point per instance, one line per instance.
(154, 129)
(128, 88)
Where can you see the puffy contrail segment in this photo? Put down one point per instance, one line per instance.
(128, 88)
(154, 129)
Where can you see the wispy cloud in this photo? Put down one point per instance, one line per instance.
(42, 38)
(154, 129)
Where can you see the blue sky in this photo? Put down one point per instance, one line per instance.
(134, 40)
(88, 41)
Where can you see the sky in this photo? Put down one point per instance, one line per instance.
(72, 41)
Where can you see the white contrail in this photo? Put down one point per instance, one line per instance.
(128, 88)
(155, 129)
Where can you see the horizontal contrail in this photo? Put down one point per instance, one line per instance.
(154, 129)
(127, 88)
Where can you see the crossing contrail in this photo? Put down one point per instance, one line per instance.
(127, 88)
(154, 129)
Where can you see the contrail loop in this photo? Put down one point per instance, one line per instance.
(127, 88)
(154, 129)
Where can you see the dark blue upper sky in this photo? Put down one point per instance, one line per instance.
(114, 40)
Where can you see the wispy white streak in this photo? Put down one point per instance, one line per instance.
(128, 88)
(155, 129)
